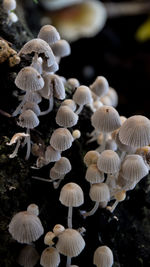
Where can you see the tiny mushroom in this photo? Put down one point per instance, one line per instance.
(28, 256)
(82, 96)
(103, 257)
(70, 243)
(50, 257)
(65, 117)
(61, 139)
(49, 34)
(71, 195)
(91, 157)
(100, 86)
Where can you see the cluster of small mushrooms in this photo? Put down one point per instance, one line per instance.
(120, 161)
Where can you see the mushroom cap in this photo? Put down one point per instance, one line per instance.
(62, 166)
(50, 257)
(29, 79)
(70, 243)
(61, 139)
(72, 83)
(125, 184)
(32, 106)
(58, 86)
(121, 146)
(66, 118)
(47, 90)
(135, 131)
(53, 68)
(93, 174)
(9, 5)
(33, 97)
(33, 209)
(51, 155)
(71, 195)
(49, 34)
(103, 257)
(48, 238)
(133, 168)
(25, 227)
(112, 94)
(100, 86)
(106, 119)
(91, 157)
(58, 228)
(55, 175)
(99, 192)
(41, 47)
(108, 162)
(28, 256)
(61, 48)
(28, 119)
(69, 103)
(82, 95)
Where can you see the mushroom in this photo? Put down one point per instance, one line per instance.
(71, 195)
(48, 239)
(58, 228)
(29, 120)
(99, 192)
(100, 86)
(25, 227)
(16, 139)
(66, 118)
(51, 155)
(70, 243)
(61, 139)
(94, 175)
(72, 84)
(103, 257)
(61, 48)
(69, 103)
(33, 209)
(106, 119)
(50, 257)
(91, 157)
(135, 131)
(82, 96)
(119, 196)
(49, 34)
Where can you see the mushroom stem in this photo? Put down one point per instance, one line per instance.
(56, 184)
(14, 154)
(79, 109)
(28, 139)
(70, 210)
(51, 104)
(41, 179)
(122, 156)
(114, 206)
(68, 263)
(101, 148)
(18, 109)
(91, 212)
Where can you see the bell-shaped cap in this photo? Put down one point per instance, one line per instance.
(9, 5)
(69, 103)
(33, 209)
(82, 95)
(91, 157)
(32, 106)
(41, 47)
(61, 48)
(25, 227)
(62, 166)
(135, 131)
(50, 257)
(94, 175)
(61, 139)
(99, 192)
(51, 155)
(71, 195)
(65, 117)
(133, 168)
(108, 162)
(58, 228)
(49, 34)
(29, 79)
(72, 84)
(33, 97)
(103, 257)
(70, 243)
(54, 175)
(28, 119)
(100, 86)
(106, 119)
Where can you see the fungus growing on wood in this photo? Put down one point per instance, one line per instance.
(103, 257)
(49, 34)
(71, 195)
(70, 243)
